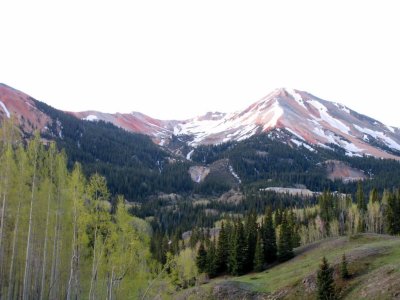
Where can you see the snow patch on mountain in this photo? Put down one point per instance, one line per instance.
(91, 118)
(391, 129)
(296, 96)
(325, 116)
(277, 113)
(351, 149)
(342, 107)
(248, 131)
(5, 109)
(234, 174)
(327, 136)
(379, 135)
(298, 144)
(189, 155)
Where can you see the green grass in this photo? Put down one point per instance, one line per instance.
(370, 257)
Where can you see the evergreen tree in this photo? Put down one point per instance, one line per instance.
(222, 250)
(238, 252)
(201, 259)
(373, 195)
(212, 260)
(285, 247)
(259, 254)
(269, 237)
(344, 272)
(294, 228)
(325, 202)
(325, 283)
(392, 213)
(361, 205)
(251, 240)
(278, 217)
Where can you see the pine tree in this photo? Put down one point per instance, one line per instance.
(259, 254)
(269, 238)
(285, 247)
(222, 250)
(373, 195)
(212, 260)
(201, 259)
(392, 213)
(278, 217)
(238, 252)
(294, 228)
(344, 272)
(361, 205)
(251, 240)
(325, 283)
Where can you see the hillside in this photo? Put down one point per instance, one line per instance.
(374, 264)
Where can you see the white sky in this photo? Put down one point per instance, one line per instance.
(179, 59)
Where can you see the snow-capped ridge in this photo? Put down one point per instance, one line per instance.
(307, 119)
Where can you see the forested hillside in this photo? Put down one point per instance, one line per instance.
(267, 160)
(249, 242)
(133, 165)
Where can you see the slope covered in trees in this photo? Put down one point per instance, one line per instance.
(248, 242)
(133, 165)
(60, 238)
(264, 160)
(373, 266)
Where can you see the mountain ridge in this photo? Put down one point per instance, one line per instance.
(311, 122)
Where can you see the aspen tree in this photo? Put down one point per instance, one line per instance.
(33, 155)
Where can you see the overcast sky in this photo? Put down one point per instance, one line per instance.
(179, 59)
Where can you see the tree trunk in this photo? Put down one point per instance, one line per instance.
(74, 251)
(56, 247)
(54, 259)
(25, 293)
(44, 262)
(13, 255)
(111, 282)
(92, 280)
(3, 282)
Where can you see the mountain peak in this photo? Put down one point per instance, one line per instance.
(297, 117)
(307, 120)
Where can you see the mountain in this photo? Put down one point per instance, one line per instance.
(23, 108)
(311, 121)
(279, 141)
(131, 162)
